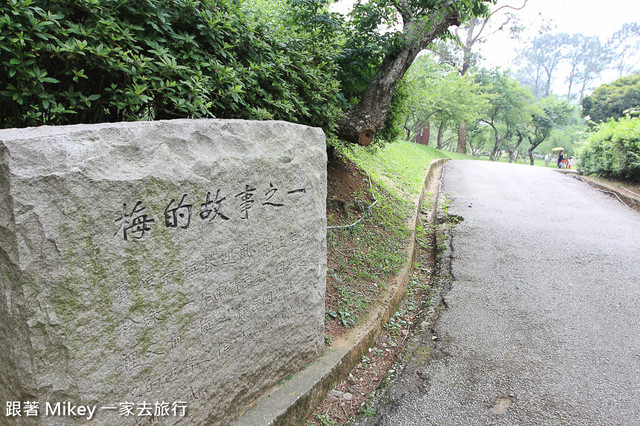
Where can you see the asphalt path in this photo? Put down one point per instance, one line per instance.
(542, 324)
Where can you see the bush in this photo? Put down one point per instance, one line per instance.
(87, 61)
(613, 149)
(612, 100)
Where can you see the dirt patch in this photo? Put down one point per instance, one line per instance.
(348, 196)
(362, 260)
(501, 406)
(346, 401)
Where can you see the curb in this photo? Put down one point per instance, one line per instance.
(629, 200)
(422, 339)
(292, 402)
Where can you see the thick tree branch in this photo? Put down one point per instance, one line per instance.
(359, 124)
(404, 10)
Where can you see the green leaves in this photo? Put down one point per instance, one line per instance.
(613, 99)
(112, 60)
(612, 149)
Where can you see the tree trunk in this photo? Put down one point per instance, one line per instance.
(513, 154)
(462, 138)
(441, 134)
(360, 124)
(496, 147)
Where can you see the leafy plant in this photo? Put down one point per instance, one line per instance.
(612, 149)
(325, 419)
(90, 61)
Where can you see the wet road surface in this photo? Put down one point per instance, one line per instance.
(542, 324)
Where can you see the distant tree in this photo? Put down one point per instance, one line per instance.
(458, 50)
(546, 114)
(587, 58)
(542, 57)
(480, 138)
(509, 109)
(624, 46)
(439, 92)
(613, 99)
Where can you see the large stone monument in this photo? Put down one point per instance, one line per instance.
(149, 271)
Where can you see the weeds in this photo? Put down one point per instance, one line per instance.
(365, 256)
(325, 420)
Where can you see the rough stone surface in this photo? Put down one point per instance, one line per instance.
(160, 261)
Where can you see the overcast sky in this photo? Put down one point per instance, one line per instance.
(589, 17)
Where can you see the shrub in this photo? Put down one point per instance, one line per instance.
(87, 61)
(613, 149)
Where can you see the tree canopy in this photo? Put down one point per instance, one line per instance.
(613, 99)
(510, 106)
(67, 61)
(439, 93)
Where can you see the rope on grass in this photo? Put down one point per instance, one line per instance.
(364, 211)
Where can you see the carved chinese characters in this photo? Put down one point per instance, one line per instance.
(159, 264)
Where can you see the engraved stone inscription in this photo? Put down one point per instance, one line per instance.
(192, 280)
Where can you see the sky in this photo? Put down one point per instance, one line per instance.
(589, 17)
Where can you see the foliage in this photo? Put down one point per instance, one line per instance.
(624, 46)
(612, 149)
(366, 45)
(88, 61)
(364, 49)
(511, 107)
(440, 93)
(549, 114)
(567, 132)
(613, 99)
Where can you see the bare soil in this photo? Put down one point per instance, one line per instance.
(348, 190)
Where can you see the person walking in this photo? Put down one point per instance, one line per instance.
(560, 158)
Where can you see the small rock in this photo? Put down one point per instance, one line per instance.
(422, 374)
(347, 396)
(394, 345)
(335, 394)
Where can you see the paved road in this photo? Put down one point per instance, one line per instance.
(543, 318)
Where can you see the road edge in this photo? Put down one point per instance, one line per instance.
(291, 402)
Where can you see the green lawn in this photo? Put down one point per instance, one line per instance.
(401, 166)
